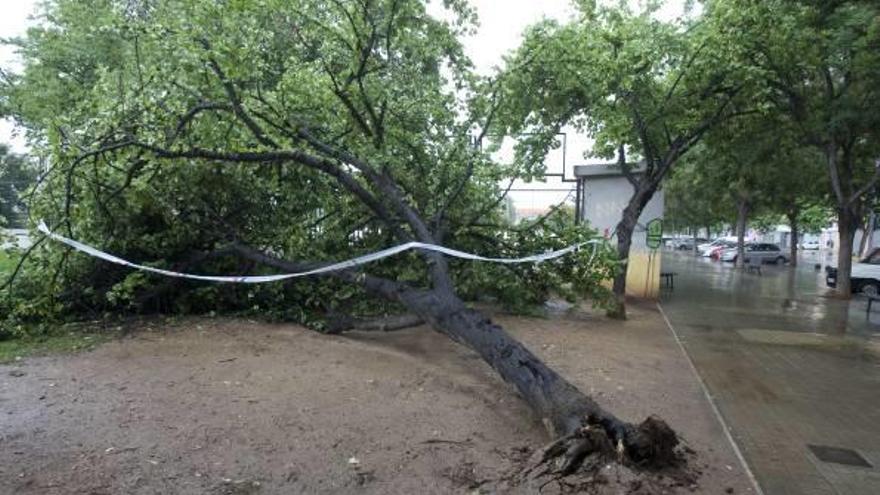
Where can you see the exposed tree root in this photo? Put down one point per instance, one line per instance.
(583, 460)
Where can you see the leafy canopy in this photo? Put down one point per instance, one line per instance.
(309, 130)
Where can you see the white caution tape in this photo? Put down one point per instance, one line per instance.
(342, 265)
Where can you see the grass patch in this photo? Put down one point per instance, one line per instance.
(64, 342)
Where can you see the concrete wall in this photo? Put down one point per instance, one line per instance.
(605, 197)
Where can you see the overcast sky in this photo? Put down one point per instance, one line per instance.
(13, 22)
(501, 25)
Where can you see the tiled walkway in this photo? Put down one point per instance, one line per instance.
(788, 368)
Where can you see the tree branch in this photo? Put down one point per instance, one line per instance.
(345, 179)
(383, 287)
(340, 323)
(236, 101)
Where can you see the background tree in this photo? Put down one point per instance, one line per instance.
(797, 189)
(758, 162)
(632, 83)
(693, 201)
(260, 135)
(815, 217)
(820, 65)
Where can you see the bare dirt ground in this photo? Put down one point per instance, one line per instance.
(219, 406)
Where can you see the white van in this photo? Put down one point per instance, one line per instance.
(865, 275)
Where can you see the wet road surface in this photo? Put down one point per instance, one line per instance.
(795, 373)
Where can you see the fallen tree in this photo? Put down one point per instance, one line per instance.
(239, 134)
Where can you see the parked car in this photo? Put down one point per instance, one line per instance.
(703, 247)
(810, 245)
(766, 253)
(687, 243)
(706, 250)
(673, 243)
(715, 254)
(865, 275)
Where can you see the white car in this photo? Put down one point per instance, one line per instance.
(810, 245)
(707, 248)
(865, 275)
(765, 253)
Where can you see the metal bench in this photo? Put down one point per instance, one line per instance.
(754, 265)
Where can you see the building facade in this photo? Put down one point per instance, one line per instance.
(603, 193)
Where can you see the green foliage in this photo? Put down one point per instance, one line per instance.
(813, 72)
(105, 86)
(693, 200)
(766, 222)
(571, 277)
(757, 160)
(818, 67)
(622, 77)
(7, 262)
(814, 218)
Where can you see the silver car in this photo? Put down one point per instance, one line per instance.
(760, 252)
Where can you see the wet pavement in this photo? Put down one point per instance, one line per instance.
(794, 373)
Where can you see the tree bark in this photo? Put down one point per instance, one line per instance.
(867, 234)
(847, 223)
(557, 402)
(625, 229)
(563, 408)
(795, 237)
(339, 323)
(742, 213)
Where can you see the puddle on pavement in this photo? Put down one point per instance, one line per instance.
(837, 455)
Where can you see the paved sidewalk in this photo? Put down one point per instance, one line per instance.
(795, 374)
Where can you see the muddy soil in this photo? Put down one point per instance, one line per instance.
(220, 406)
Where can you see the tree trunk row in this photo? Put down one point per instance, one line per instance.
(846, 229)
(795, 237)
(742, 214)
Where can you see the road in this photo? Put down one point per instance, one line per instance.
(794, 372)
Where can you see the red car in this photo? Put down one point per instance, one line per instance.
(715, 254)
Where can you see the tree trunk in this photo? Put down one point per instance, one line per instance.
(795, 237)
(563, 408)
(624, 231)
(742, 213)
(846, 229)
(867, 235)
